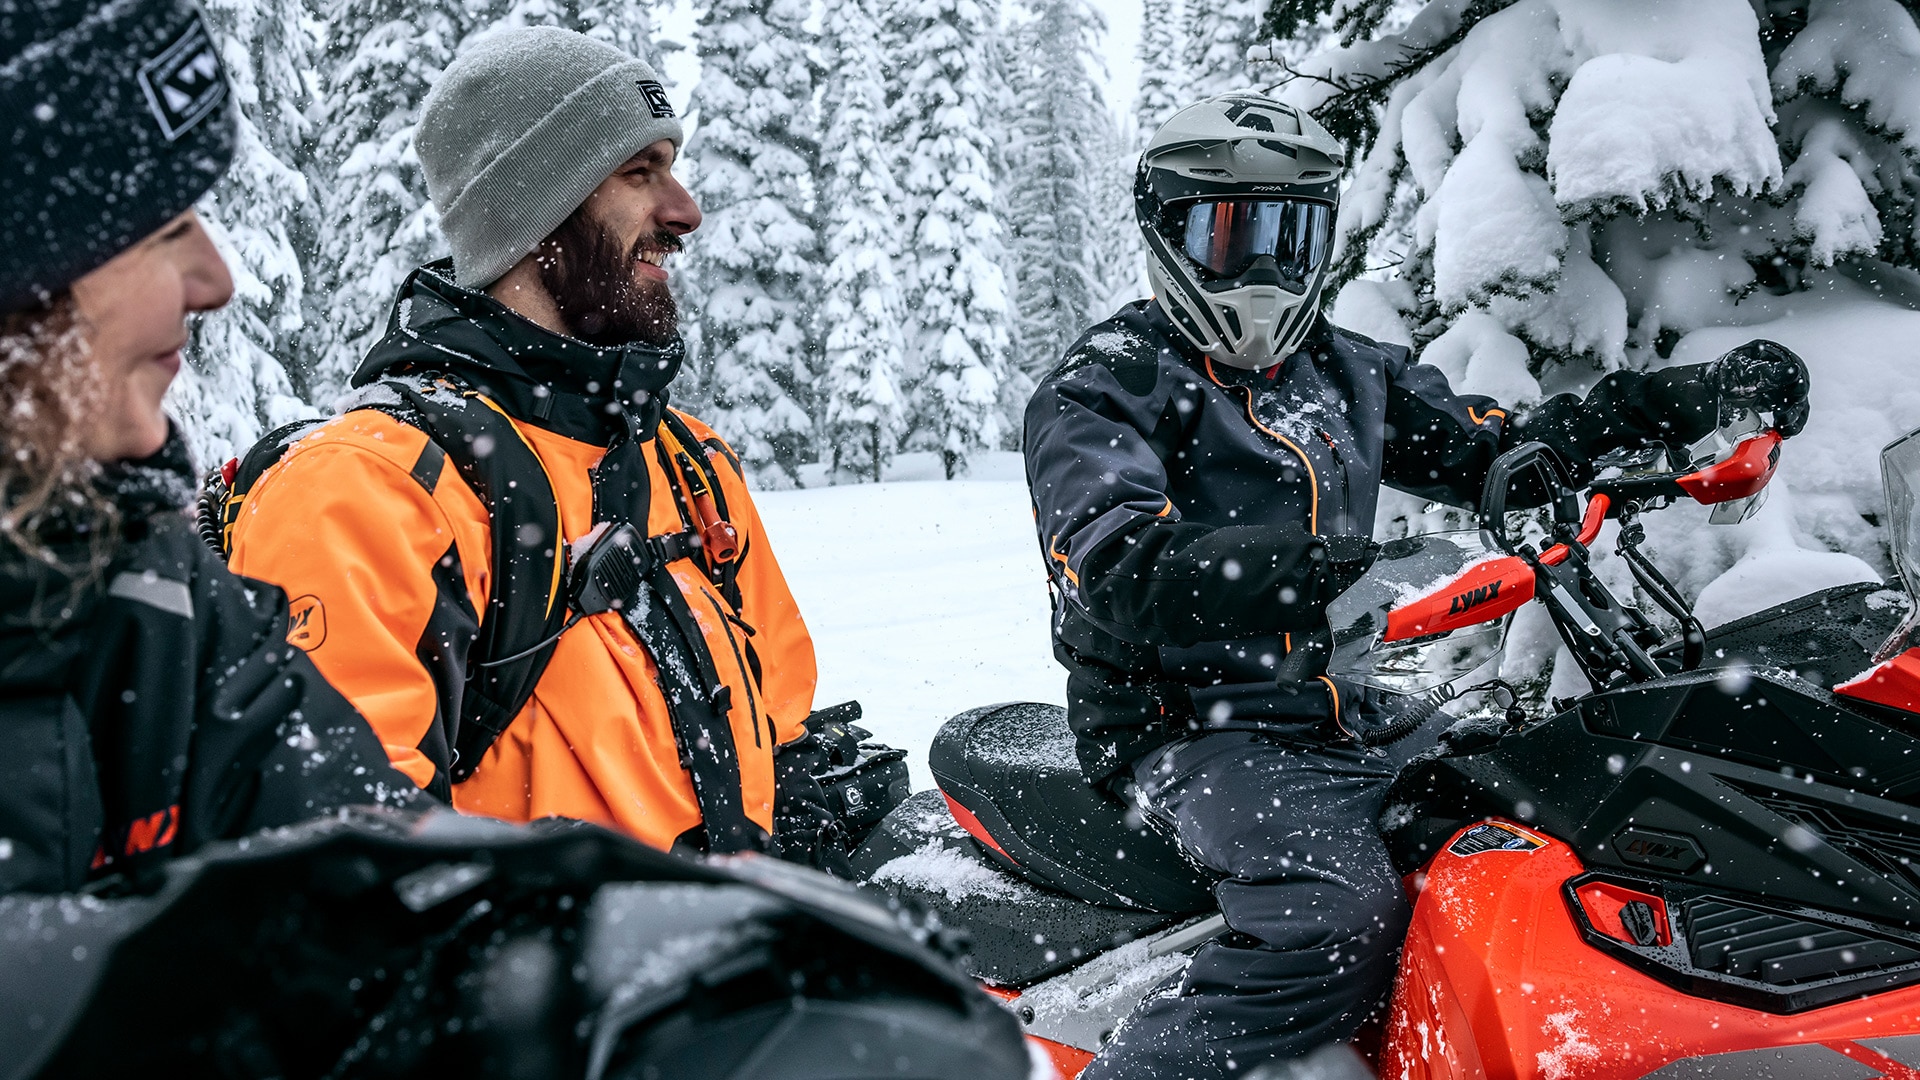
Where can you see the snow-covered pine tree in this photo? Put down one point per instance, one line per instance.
(1164, 75)
(860, 312)
(1574, 186)
(955, 289)
(754, 264)
(1218, 33)
(1055, 156)
(627, 25)
(377, 224)
(1119, 253)
(235, 383)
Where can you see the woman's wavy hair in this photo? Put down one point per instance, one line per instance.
(49, 388)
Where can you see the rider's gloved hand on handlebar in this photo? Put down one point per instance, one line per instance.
(1687, 402)
(1765, 376)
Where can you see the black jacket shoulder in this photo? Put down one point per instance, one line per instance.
(155, 705)
(1129, 345)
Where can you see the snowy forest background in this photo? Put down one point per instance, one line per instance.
(913, 206)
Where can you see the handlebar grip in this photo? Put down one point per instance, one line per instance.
(1531, 457)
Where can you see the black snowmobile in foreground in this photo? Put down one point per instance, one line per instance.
(398, 944)
(1707, 865)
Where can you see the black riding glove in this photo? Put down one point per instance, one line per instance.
(1765, 376)
(1347, 558)
(1685, 403)
(805, 829)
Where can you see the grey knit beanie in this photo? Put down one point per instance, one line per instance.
(519, 131)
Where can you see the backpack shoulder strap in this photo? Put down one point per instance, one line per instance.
(527, 605)
(688, 463)
(226, 488)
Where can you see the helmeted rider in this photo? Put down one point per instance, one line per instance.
(1204, 468)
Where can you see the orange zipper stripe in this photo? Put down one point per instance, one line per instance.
(1313, 480)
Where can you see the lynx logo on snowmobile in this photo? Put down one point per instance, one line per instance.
(1473, 598)
(656, 96)
(184, 83)
(1666, 851)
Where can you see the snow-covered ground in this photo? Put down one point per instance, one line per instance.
(925, 596)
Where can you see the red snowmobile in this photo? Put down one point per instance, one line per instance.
(1707, 865)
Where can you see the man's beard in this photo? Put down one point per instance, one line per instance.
(593, 282)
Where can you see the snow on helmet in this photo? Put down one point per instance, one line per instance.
(1237, 197)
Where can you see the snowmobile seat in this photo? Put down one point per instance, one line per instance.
(1012, 780)
(1017, 933)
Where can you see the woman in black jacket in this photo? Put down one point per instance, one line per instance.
(149, 701)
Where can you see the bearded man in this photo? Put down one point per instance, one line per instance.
(549, 593)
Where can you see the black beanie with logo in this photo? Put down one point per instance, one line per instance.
(114, 118)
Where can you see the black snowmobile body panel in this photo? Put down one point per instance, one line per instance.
(1013, 768)
(407, 945)
(1823, 638)
(1766, 810)
(1018, 934)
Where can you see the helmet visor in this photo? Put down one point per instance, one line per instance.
(1225, 236)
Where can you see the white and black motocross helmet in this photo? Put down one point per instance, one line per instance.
(1237, 197)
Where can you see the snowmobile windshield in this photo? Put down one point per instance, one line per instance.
(1406, 571)
(1225, 237)
(1900, 473)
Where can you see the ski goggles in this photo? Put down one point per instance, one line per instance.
(1224, 237)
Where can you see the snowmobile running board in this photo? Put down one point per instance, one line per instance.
(1080, 1008)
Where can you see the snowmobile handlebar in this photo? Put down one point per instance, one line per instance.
(1742, 473)
(1529, 462)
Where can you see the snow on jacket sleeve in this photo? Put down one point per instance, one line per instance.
(1095, 451)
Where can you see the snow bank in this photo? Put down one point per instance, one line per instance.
(925, 597)
(1767, 577)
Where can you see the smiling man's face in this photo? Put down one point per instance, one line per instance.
(606, 266)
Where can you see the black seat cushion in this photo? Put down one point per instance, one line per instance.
(1013, 768)
(1018, 933)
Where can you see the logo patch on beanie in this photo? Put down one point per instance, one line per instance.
(184, 82)
(656, 96)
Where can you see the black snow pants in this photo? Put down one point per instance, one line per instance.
(1316, 912)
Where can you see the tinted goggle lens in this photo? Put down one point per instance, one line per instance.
(1224, 237)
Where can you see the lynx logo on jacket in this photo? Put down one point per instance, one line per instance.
(306, 623)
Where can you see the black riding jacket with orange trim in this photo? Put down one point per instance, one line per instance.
(1181, 507)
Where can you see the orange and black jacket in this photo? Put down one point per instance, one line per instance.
(1183, 509)
(387, 556)
(154, 706)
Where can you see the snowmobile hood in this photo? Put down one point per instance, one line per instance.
(562, 384)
